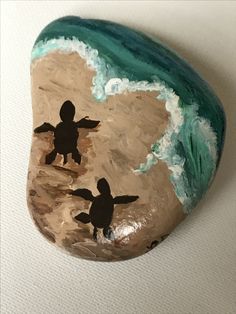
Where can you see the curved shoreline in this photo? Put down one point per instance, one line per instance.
(110, 151)
(107, 82)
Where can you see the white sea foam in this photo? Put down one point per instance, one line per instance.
(210, 137)
(105, 86)
(90, 55)
(106, 83)
(119, 86)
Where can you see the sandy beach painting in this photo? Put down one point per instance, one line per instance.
(126, 139)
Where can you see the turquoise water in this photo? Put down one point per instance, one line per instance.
(124, 53)
(195, 145)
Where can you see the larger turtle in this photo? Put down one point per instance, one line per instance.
(102, 208)
(66, 133)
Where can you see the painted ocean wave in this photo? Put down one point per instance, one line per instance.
(139, 58)
(189, 145)
(186, 135)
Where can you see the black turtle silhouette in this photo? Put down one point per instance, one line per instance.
(101, 210)
(66, 133)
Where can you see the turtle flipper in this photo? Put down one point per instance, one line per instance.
(87, 124)
(64, 159)
(95, 232)
(45, 127)
(76, 156)
(50, 157)
(83, 217)
(84, 193)
(125, 199)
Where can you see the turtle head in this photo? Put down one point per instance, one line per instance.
(103, 186)
(67, 111)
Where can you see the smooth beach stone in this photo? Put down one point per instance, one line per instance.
(126, 139)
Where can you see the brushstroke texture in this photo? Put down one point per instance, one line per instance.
(192, 147)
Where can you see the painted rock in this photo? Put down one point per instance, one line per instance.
(126, 139)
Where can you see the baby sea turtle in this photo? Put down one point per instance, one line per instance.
(101, 210)
(66, 133)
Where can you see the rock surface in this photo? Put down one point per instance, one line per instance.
(127, 134)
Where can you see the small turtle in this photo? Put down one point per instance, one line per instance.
(101, 210)
(66, 133)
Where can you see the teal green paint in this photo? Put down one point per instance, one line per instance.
(199, 164)
(137, 57)
(125, 53)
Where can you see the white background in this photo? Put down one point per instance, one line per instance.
(194, 270)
